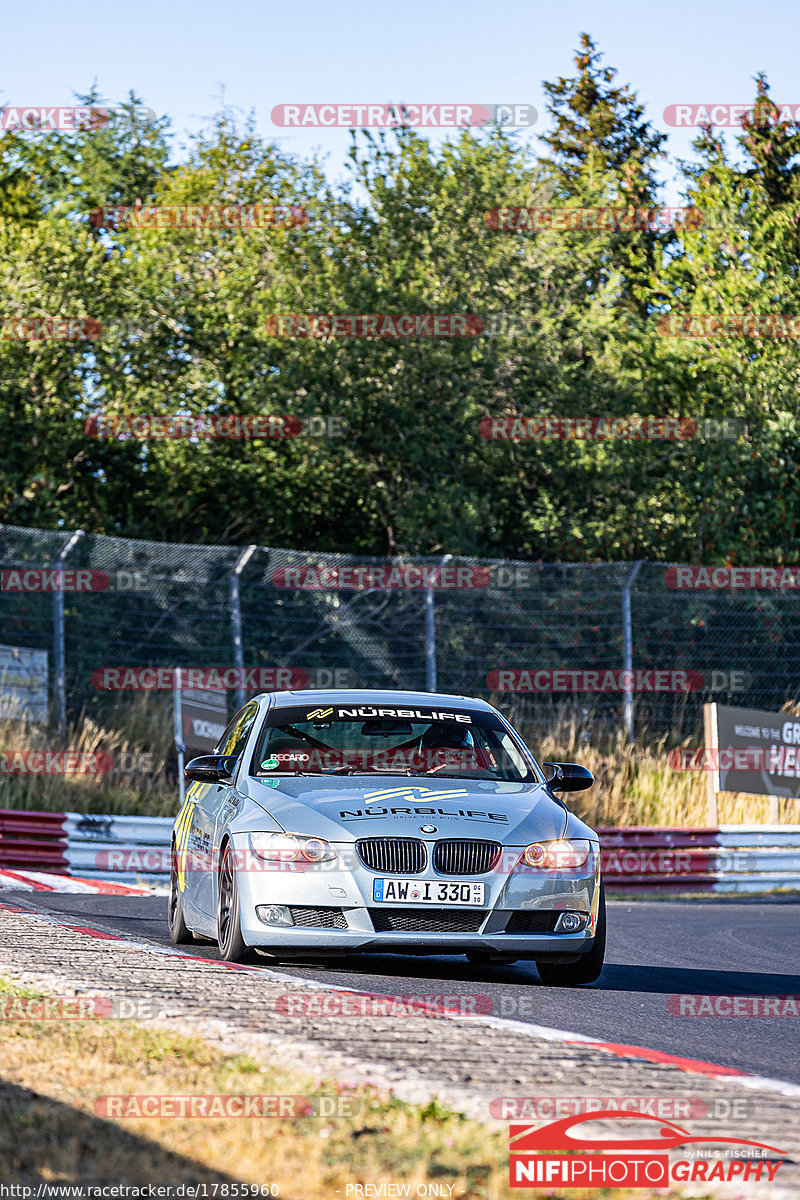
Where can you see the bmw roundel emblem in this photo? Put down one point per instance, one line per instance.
(427, 829)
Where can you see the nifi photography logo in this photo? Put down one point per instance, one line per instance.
(538, 1155)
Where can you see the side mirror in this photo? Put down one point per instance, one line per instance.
(211, 768)
(569, 777)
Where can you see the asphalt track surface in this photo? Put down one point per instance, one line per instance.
(655, 950)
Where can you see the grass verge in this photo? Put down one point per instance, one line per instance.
(53, 1072)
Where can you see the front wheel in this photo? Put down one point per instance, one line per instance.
(588, 966)
(179, 932)
(232, 946)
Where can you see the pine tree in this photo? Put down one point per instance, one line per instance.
(604, 153)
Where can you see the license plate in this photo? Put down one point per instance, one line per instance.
(426, 891)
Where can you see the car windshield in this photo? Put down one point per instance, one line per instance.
(369, 740)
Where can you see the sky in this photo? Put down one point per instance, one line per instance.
(181, 57)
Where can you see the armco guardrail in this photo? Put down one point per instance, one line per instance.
(118, 847)
(724, 858)
(643, 857)
(33, 839)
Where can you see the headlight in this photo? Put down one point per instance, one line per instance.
(291, 847)
(562, 855)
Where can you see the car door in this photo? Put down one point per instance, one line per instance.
(217, 800)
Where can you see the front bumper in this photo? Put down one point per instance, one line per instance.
(346, 888)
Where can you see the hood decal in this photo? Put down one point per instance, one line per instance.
(342, 809)
(407, 793)
(466, 814)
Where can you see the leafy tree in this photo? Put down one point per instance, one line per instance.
(571, 328)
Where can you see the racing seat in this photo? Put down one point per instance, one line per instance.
(444, 736)
(449, 736)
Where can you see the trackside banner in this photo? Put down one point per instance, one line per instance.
(762, 751)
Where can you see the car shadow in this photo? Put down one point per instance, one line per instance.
(412, 966)
(43, 1140)
(697, 981)
(627, 977)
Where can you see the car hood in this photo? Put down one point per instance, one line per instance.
(342, 810)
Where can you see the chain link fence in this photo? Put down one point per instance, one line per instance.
(540, 640)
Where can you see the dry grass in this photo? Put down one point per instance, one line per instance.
(52, 1073)
(635, 784)
(137, 736)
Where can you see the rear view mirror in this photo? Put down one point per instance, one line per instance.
(211, 768)
(386, 729)
(569, 777)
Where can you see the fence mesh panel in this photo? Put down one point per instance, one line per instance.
(154, 604)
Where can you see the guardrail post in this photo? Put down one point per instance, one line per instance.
(236, 620)
(430, 628)
(711, 739)
(59, 662)
(627, 648)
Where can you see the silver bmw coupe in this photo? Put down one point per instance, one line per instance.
(333, 822)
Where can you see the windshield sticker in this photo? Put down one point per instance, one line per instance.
(270, 764)
(404, 713)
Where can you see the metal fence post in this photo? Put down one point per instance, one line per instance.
(627, 649)
(236, 620)
(711, 740)
(430, 628)
(177, 727)
(59, 662)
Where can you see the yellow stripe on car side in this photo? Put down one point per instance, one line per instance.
(183, 824)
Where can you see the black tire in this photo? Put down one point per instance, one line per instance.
(232, 946)
(179, 931)
(588, 967)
